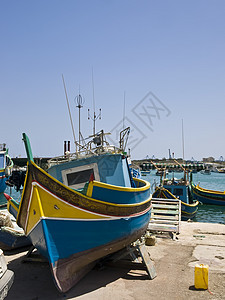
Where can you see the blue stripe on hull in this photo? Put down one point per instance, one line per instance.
(57, 239)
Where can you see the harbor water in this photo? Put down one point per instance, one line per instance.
(206, 213)
(214, 181)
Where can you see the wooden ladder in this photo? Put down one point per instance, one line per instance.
(165, 216)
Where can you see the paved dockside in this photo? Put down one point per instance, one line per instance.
(174, 263)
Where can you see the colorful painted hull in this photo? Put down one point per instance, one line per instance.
(208, 196)
(188, 211)
(73, 230)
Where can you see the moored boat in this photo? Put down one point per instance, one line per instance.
(86, 206)
(189, 207)
(11, 235)
(208, 196)
(145, 172)
(179, 189)
(6, 165)
(205, 172)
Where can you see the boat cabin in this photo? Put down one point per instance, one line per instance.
(180, 191)
(108, 168)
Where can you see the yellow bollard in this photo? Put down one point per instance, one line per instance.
(201, 276)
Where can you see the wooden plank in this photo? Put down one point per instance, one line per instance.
(165, 217)
(175, 222)
(160, 205)
(162, 227)
(166, 211)
(163, 200)
(147, 261)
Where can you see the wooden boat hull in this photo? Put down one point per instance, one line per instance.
(208, 196)
(73, 230)
(88, 242)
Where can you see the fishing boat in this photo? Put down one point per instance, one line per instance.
(179, 189)
(6, 165)
(84, 207)
(207, 196)
(174, 190)
(220, 170)
(145, 172)
(11, 235)
(205, 172)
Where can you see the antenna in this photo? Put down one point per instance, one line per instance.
(80, 103)
(183, 138)
(69, 113)
(124, 98)
(95, 117)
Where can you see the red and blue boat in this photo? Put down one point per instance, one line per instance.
(86, 205)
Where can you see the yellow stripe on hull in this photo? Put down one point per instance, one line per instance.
(52, 207)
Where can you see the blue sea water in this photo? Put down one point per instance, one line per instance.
(215, 181)
(206, 213)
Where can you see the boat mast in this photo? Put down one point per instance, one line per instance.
(95, 117)
(183, 138)
(70, 114)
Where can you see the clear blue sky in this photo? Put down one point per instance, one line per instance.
(165, 58)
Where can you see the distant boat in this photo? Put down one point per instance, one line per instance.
(6, 165)
(205, 172)
(145, 172)
(220, 170)
(178, 189)
(11, 235)
(161, 172)
(208, 196)
(86, 206)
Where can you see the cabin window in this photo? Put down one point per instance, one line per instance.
(178, 192)
(77, 177)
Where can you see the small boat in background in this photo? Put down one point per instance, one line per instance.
(207, 196)
(205, 172)
(6, 165)
(11, 235)
(220, 170)
(145, 172)
(179, 189)
(85, 207)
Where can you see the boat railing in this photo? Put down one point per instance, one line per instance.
(86, 152)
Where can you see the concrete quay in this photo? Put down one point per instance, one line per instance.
(174, 263)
